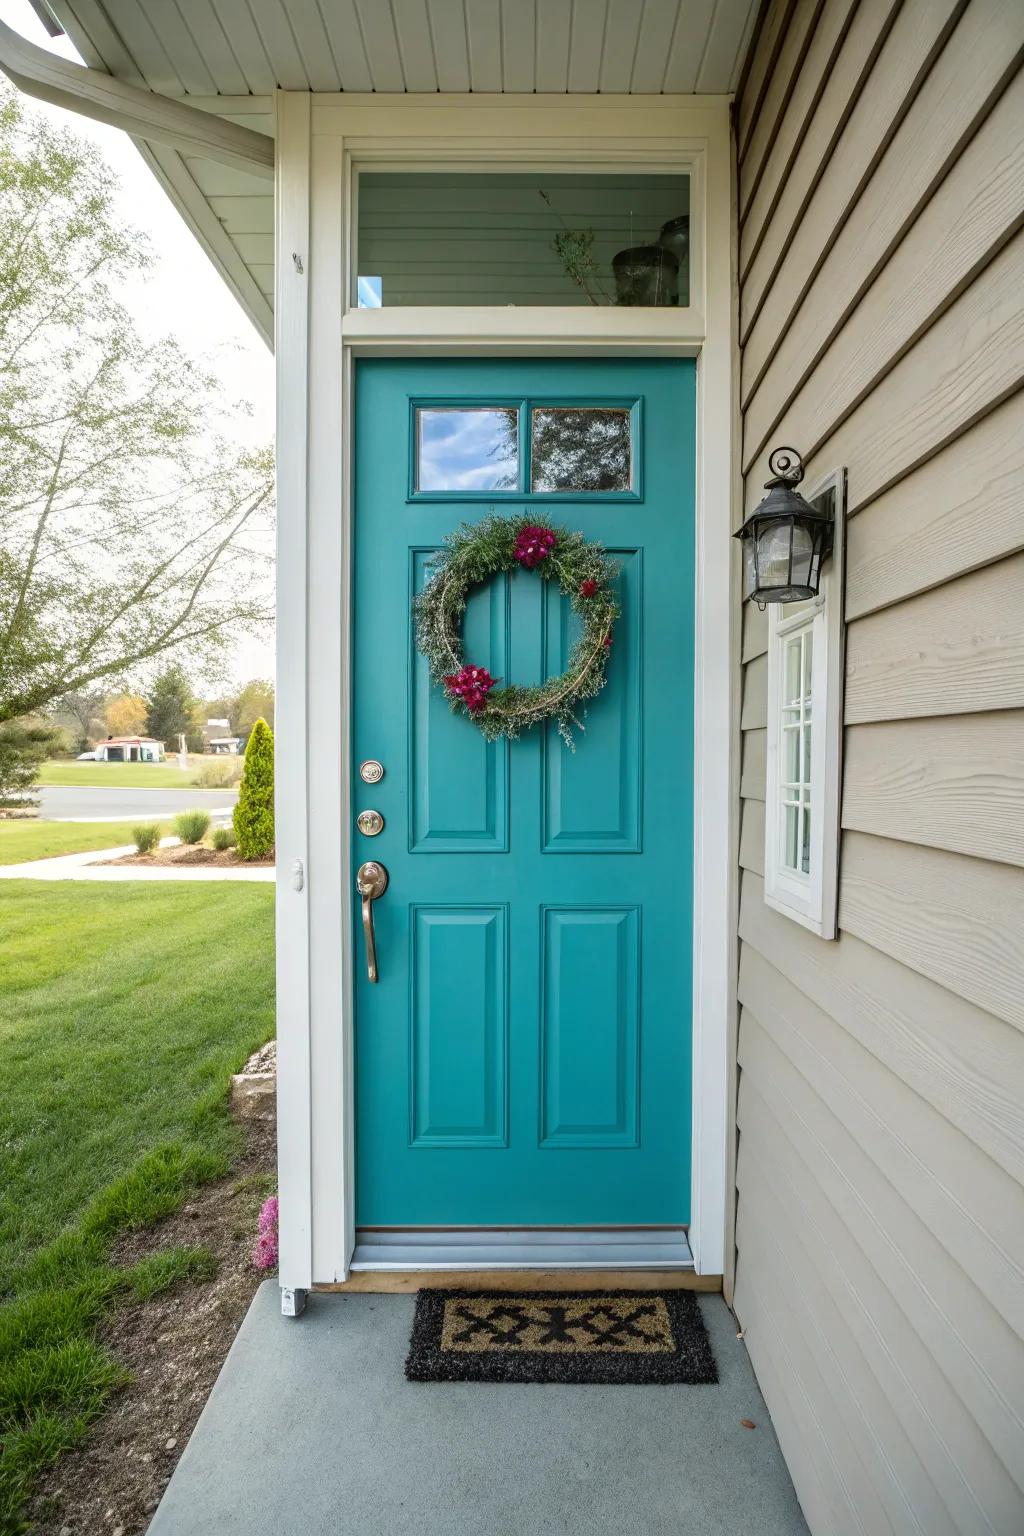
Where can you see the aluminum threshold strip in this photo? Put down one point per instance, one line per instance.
(523, 1248)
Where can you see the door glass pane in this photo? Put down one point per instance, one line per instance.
(467, 448)
(581, 448)
(792, 835)
(533, 237)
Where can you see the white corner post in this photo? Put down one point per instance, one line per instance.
(714, 715)
(291, 807)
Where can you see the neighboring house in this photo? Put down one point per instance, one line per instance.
(748, 967)
(129, 749)
(224, 746)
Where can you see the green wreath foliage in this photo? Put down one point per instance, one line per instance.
(475, 553)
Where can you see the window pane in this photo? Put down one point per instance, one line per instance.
(805, 850)
(808, 639)
(806, 774)
(791, 735)
(578, 448)
(792, 835)
(522, 238)
(793, 670)
(466, 448)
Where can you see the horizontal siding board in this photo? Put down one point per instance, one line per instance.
(955, 649)
(954, 101)
(793, 1155)
(763, 69)
(967, 1204)
(842, 149)
(752, 836)
(954, 782)
(755, 631)
(755, 748)
(966, 364)
(971, 216)
(822, 1354)
(961, 510)
(803, 24)
(958, 920)
(966, 1063)
(755, 694)
(827, 1498)
(759, 193)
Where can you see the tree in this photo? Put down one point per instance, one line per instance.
(83, 712)
(131, 521)
(23, 747)
(255, 701)
(254, 813)
(126, 715)
(171, 703)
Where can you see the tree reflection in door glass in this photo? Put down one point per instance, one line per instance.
(467, 448)
(581, 448)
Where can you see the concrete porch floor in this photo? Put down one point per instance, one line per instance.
(312, 1428)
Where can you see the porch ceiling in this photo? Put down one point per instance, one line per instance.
(231, 48)
(242, 50)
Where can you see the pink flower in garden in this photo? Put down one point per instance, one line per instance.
(471, 685)
(533, 544)
(264, 1255)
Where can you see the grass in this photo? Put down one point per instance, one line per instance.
(21, 841)
(122, 775)
(124, 1009)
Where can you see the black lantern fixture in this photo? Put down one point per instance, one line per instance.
(785, 539)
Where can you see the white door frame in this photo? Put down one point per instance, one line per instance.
(319, 140)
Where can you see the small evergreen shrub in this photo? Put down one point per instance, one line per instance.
(146, 837)
(254, 813)
(223, 837)
(192, 826)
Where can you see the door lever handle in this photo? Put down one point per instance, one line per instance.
(371, 882)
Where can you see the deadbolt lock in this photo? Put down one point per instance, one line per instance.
(370, 823)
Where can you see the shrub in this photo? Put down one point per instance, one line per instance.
(23, 750)
(223, 837)
(192, 826)
(254, 813)
(219, 773)
(146, 837)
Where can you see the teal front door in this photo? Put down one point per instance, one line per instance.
(524, 1057)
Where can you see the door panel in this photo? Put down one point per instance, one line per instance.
(524, 1058)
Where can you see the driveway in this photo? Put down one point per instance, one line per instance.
(112, 803)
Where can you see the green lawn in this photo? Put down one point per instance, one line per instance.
(21, 841)
(135, 775)
(123, 1010)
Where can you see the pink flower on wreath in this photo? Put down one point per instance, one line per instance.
(533, 544)
(608, 641)
(588, 587)
(471, 685)
(264, 1255)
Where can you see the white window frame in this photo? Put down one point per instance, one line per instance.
(811, 898)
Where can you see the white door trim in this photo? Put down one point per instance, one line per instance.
(317, 340)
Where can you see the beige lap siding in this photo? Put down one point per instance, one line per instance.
(880, 1165)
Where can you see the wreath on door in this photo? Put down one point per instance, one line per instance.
(474, 554)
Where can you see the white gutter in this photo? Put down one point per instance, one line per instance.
(144, 114)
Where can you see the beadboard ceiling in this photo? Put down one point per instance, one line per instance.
(238, 47)
(247, 48)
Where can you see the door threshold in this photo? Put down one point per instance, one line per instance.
(522, 1248)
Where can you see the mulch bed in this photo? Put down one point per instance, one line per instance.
(191, 855)
(174, 1347)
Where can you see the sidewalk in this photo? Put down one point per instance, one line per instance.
(90, 866)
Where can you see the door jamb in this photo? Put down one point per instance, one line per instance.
(316, 345)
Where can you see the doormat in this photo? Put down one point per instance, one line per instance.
(628, 1338)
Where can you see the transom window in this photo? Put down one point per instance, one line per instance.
(540, 237)
(556, 450)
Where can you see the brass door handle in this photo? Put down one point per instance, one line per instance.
(371, 882)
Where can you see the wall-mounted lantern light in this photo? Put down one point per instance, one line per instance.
(785, 538)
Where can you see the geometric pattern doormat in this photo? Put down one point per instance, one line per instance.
(645, 1338)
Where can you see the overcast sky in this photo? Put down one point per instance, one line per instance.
(181, 293)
